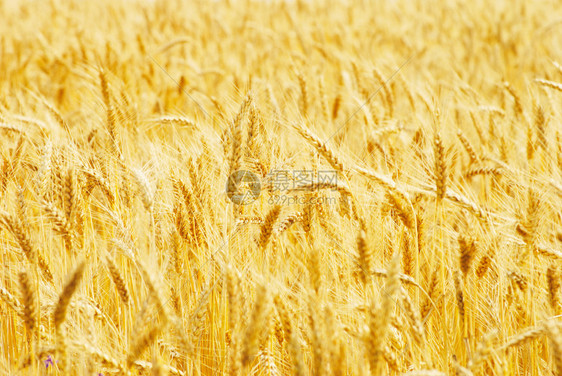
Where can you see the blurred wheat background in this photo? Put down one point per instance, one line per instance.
(436, 252)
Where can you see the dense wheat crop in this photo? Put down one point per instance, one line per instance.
(401, 212)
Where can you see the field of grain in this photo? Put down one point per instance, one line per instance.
(403, 216)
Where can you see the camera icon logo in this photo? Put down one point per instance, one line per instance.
(243, 187)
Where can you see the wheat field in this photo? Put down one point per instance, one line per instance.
(280, 187)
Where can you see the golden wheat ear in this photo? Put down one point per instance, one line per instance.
(70, 287)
